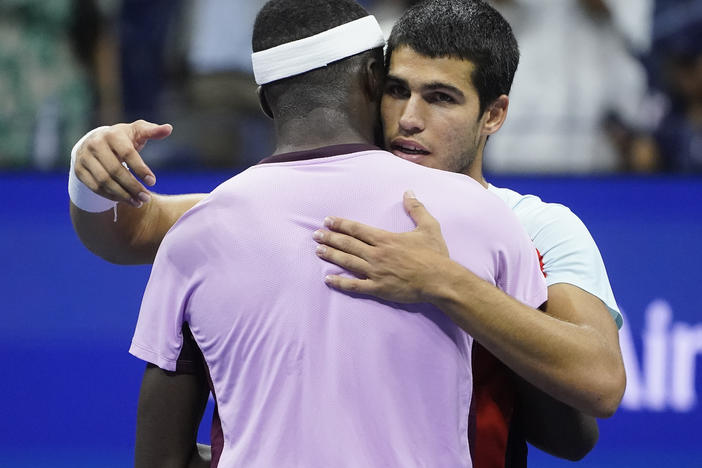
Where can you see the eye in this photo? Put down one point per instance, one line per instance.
(396, 91)
(440, 97)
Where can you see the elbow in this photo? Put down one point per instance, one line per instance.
(587, 441)
(610, 394)
(581, 452)
(109, 256)
(122, 244)
(123, 251)
(606, 408)
(114, 257)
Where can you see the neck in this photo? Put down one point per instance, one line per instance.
(475, 169)
(321, 127)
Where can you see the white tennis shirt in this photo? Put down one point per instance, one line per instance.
(569, 253)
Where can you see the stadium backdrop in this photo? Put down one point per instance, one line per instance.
(69, 388)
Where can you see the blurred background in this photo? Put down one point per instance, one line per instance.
(605, 117)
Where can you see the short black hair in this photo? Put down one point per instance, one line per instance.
(463, 29)
(283, 21)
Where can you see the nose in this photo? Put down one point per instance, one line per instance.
(411, 121)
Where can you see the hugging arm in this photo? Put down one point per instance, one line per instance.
(569, 352)
(132, 234)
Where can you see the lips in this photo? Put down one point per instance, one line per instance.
(408, 147)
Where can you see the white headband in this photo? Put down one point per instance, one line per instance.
(294, 58)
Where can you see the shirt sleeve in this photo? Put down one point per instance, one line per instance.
(571, 256)
(158, 337)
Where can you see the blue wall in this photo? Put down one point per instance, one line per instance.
(69, 398)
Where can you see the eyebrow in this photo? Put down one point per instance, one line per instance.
(432, 86)
(437, 85)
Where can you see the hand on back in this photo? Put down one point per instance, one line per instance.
(399, 267)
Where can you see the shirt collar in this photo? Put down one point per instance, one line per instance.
(323, 152)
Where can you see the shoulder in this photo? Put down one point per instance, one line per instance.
(197, 229)
(568, 250)
(543, 221)
(462, 203)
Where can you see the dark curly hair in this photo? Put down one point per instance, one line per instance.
(464, 29)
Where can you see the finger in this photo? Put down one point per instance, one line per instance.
(124, 150)
(109, 154)
(348, 262)
(99, 181)
(343, 242)
(354, 285)
(416, 210)
(143, 131)
(92, 166)
(362, 232)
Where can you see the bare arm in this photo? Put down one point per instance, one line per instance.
(571, 352)
(549, 424)
(135, 236)
(171, 406)
(143, 217)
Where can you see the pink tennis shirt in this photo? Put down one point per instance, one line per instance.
(306, 376)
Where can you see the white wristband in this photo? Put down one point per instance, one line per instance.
(79, 193)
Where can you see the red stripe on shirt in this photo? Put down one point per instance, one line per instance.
(491, 410)
(541, 262)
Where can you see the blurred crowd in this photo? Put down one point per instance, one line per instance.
(603, 86)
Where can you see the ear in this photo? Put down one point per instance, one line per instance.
(374, 76)
(495, 115)
(263, 102)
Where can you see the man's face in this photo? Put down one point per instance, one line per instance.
(430, 111)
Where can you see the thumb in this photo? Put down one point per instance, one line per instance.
(416, 210)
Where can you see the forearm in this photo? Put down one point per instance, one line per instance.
(552, 426)
(570, 362)
(134, 237)
(570, 351)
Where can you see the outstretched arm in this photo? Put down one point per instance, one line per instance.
(571, 351)
(133, 233)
